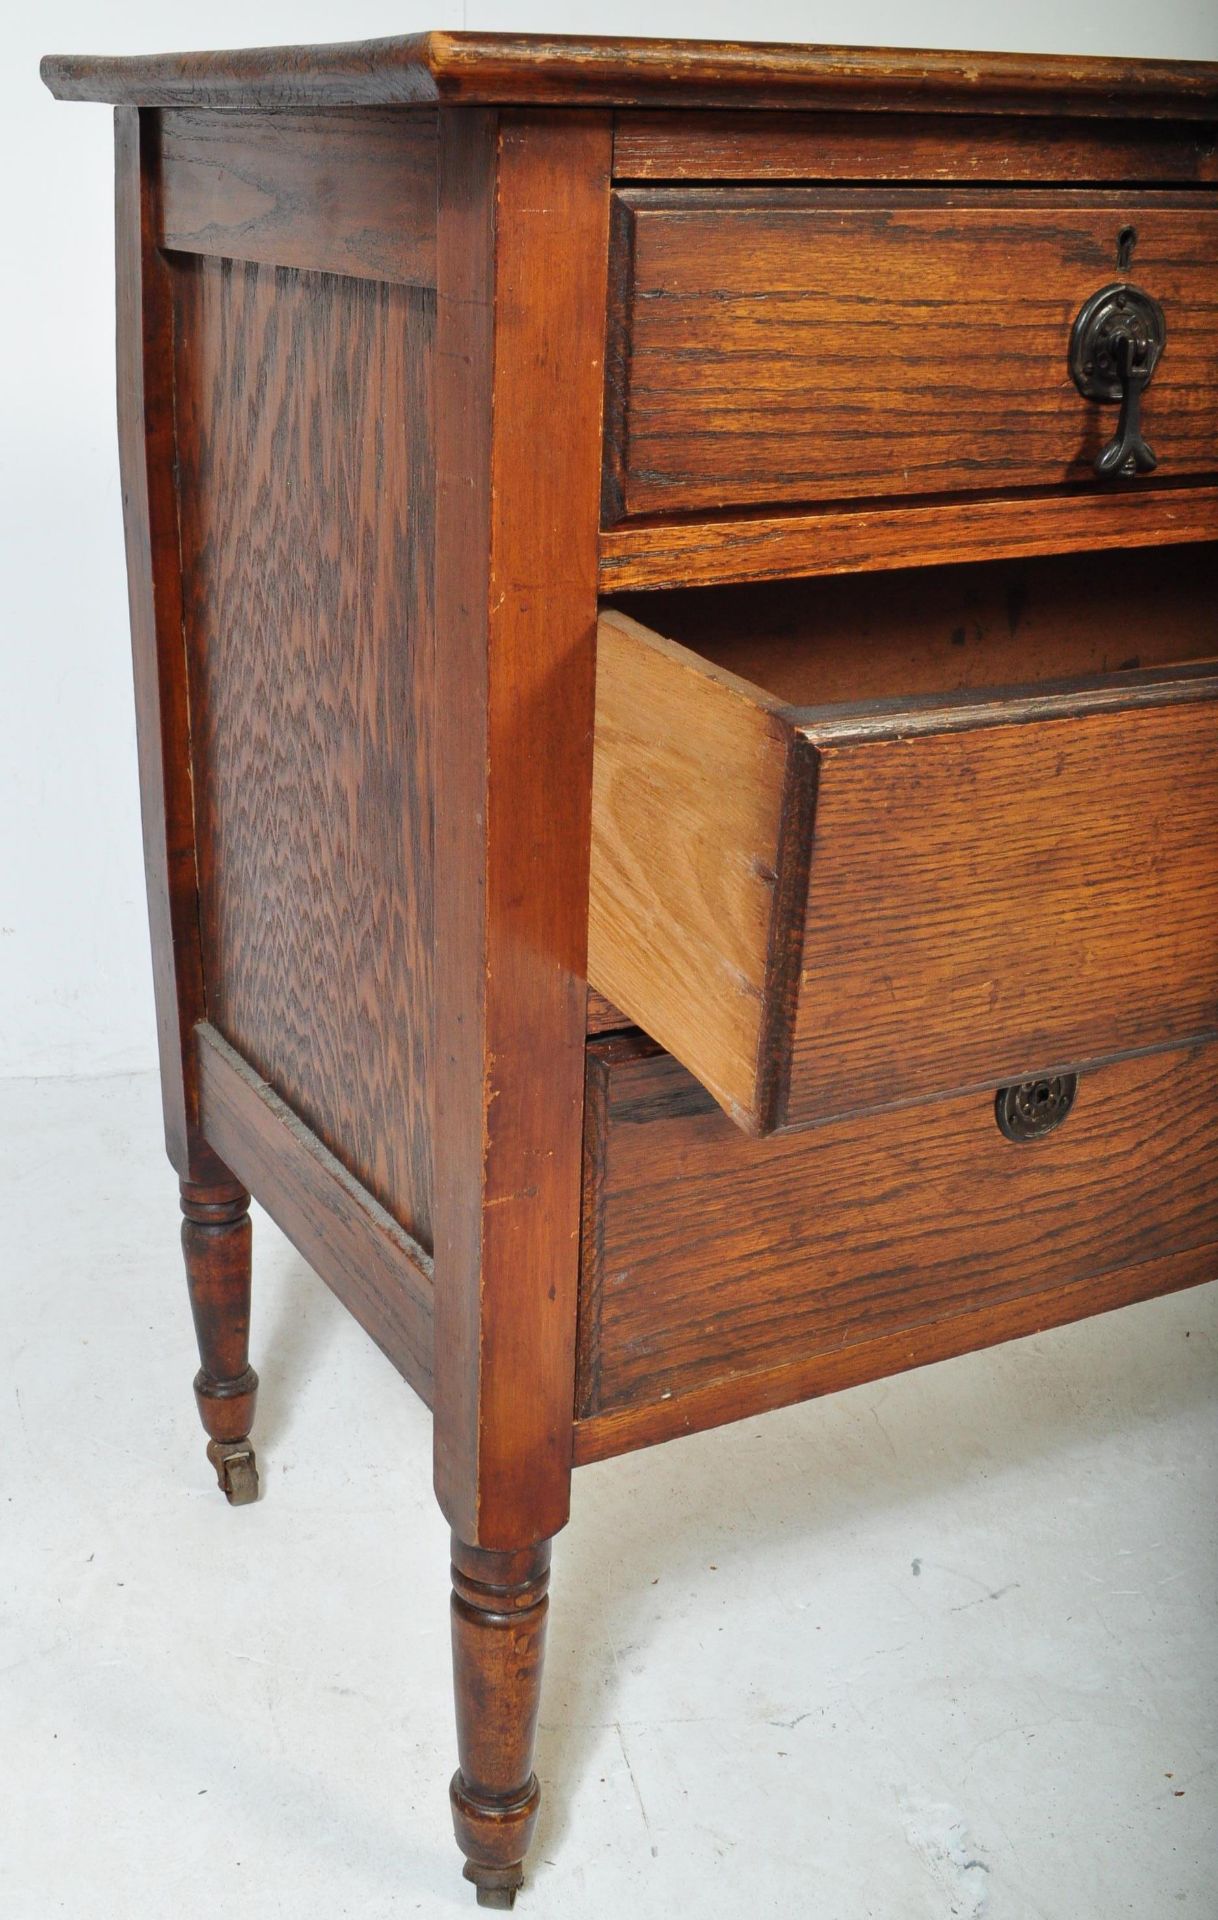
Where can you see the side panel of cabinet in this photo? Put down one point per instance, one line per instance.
(307, 514)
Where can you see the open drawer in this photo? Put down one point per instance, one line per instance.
(834, 909)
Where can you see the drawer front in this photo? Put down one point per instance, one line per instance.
(830, 912)
(1006, 899)
(722, 1274)
(802, 345)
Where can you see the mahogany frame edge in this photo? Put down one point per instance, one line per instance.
(605, 1434)
(379, 1272)
(147, 447)
(522, 265)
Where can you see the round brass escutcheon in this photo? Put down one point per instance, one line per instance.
(1032, 1108)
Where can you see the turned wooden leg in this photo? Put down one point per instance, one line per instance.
(499, 1610)
(216, 1247)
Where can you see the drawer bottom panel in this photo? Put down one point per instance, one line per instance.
(723, 1274)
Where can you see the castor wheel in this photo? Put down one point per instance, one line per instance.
(236, 1469)
(496, 1888)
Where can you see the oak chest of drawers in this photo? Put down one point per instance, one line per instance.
(673, 606)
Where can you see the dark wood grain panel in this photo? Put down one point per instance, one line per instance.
(832, 540)
(344, 192)
(735, 1273)
(793, 345)
(908, 146)
(377, 1270)
(536, 69)
(304, 418)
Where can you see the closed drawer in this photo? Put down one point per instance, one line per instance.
(722, 1275)
(801, 345)
(835, 909)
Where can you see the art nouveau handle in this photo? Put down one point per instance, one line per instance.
(1129, 451)
(1115, 346)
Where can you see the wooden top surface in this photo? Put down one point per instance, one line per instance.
(530, 69)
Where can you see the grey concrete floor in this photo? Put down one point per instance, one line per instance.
(945, 1646)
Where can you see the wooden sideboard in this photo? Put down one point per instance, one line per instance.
(819, 975)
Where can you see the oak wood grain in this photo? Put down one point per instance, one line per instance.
(343, 192)
(603, 1436)
(656, 145)
(827, 540)
(992, 902)
(722, 1275)
(305, 447)
(795, 344)
(535, 69)
(828, 910)
(701, 821)
(382, 1276)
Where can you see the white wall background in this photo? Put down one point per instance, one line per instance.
(75, 988)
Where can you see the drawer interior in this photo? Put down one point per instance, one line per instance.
(859, 844)
(928, 630)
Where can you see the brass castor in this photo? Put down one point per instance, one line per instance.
(497, 1887)
(236, 1470)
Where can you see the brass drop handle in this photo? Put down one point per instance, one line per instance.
(1115, 345)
